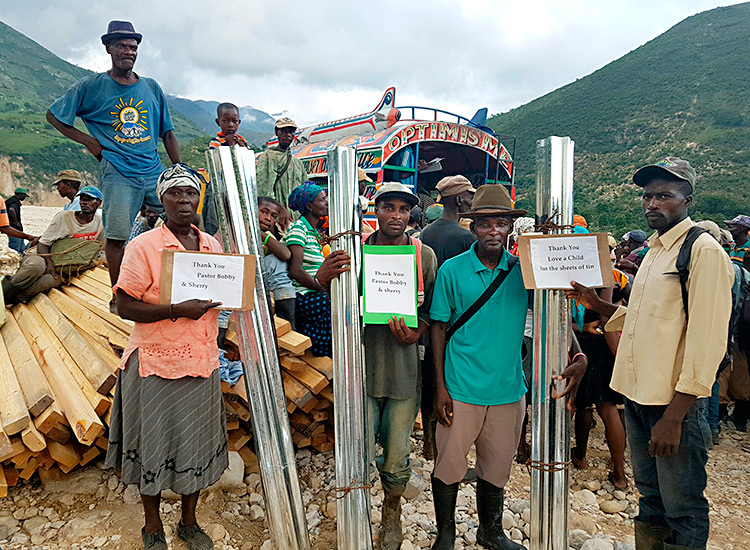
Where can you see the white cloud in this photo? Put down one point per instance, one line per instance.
(329, 59)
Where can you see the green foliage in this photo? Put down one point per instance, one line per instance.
(685, 93)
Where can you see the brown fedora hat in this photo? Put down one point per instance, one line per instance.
(492, 199)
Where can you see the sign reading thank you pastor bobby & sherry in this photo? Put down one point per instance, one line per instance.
(390, 288)
(225, 278)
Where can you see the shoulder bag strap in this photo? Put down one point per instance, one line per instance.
(486, 295)
(283, 170)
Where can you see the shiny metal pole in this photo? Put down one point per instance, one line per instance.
(352, 506)
(233, 178)
(550, 421)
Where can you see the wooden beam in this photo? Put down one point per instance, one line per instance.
(3, 483)
(89, 454)
(86, 320)
(238, 439)
(98, 402)
(100, 375)
(50, 418)
(100, 274)
(324, 365)
(65, 455)
(311, 378)
(101, 309)
(13, 412)
(292, 363)
(78, 411)
(16, 448)
(93, 289)
(282, 326)
(295, 391)
(31, 465)
(295, 342)
(33, 439)
(5, 443)
(36, 391)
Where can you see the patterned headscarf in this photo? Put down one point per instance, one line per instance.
(180, 175)
(303, 195)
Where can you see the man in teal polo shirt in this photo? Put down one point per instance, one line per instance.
(480, 388)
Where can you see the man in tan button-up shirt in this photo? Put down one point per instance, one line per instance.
(666, 362)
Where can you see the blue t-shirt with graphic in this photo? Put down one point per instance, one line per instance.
(127, 120)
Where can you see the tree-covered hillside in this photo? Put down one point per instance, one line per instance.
(685, 93)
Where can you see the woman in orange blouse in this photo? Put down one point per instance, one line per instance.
(168, 429)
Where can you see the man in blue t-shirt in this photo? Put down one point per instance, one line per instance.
(479, 382)
(125, 115)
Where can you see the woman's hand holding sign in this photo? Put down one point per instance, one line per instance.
(193, 309)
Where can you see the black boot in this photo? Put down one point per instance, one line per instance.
(741, 414)
(391, 533)
(444, 498)
(10, 292)
(650, 536)
(490, 510)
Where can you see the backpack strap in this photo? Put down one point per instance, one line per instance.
(683, 262)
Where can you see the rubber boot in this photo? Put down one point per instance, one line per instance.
(741, 414)
(10, 292)
(490, 510)
(650, 536)
(668, 546)
(444, 497)
(391, 534)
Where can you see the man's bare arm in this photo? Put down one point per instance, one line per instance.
(172, 147)
(70, 132)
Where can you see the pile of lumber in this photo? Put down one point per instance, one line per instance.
(307, 385)
(59, 356)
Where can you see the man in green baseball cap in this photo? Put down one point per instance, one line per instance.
(13, 205)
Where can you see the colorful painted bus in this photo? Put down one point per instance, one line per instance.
(418, 147)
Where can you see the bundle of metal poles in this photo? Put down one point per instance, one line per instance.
(235, 191)
(353, 504)
(550, 421)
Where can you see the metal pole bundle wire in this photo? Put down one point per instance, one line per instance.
(550, 421)
(352, 480)
(233, 177)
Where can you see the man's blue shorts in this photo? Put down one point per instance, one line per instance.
(123, 198)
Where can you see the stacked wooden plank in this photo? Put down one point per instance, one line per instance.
(59, 356)
(307, 385)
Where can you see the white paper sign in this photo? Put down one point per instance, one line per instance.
(208, 277)
(389, 284)
(556, 262)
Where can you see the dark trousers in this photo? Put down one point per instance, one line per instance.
(672, 486)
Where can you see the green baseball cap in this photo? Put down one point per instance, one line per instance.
(21, 190)
(677, 167)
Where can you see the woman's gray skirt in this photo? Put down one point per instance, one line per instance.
(167, 434)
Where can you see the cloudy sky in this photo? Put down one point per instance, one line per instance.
(329, 59)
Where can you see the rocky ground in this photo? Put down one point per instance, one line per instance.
(91, 509)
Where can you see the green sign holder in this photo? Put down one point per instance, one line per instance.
(381, 318)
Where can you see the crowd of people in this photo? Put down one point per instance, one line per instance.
(659, 354)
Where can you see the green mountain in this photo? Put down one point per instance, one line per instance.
(686, 93)
(31, 78)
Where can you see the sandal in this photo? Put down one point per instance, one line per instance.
(154, 541)
(195, 537)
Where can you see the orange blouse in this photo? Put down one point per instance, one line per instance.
(168, 349)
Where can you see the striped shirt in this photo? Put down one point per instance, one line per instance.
(220, 140)
(737, 254)
(303, 234)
